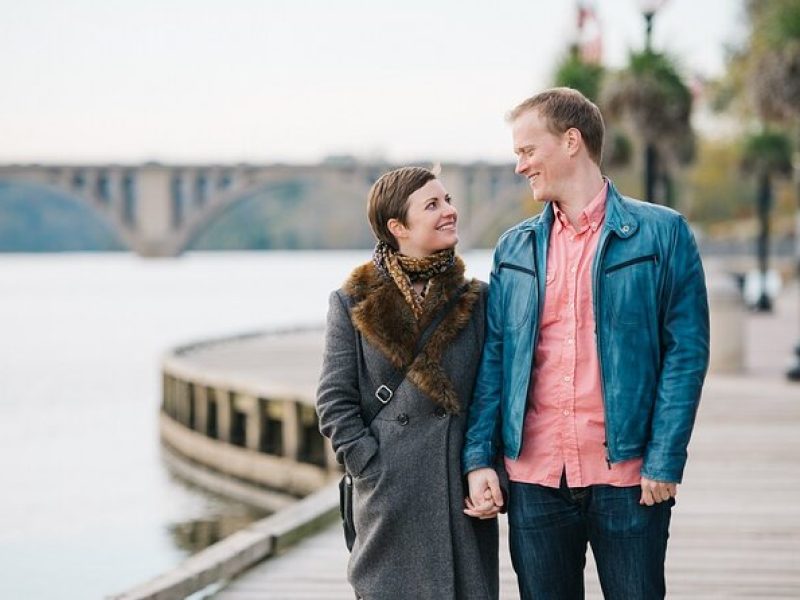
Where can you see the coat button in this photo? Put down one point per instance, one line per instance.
(440, 412)
(625, 228)
(403, 419)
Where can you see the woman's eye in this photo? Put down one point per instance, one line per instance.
(431, 205)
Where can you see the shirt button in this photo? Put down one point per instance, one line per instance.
(567, 378)
(403, 419)
(573, 269)
(566, 412)
(570, 340)
(440, 412)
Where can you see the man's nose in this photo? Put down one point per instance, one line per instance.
(520, 165)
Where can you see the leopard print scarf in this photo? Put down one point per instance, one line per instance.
(405, 270)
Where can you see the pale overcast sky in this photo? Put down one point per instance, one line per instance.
(294, 81)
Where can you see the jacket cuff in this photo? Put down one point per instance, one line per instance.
(359, 454)
(662, 473)
(475, 458)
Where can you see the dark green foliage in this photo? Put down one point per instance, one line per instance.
(767, 152)
(582, 76)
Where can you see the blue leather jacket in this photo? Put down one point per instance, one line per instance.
(652, 332)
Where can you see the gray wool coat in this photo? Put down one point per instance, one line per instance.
(412, 539)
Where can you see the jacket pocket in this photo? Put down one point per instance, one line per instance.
(517, 283)
(631, 289)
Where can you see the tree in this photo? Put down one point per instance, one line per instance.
(766, 154)
(652, 98)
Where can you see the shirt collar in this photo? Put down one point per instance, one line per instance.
(591, 217)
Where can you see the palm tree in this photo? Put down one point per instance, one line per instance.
(772, 67)
(652, 98)
(587, 78)
(766, 155)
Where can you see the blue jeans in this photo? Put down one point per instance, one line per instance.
(549, 529)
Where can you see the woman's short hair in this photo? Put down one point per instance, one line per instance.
(563, 108)
(388, 199)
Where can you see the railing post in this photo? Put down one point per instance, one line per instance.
(224, 415)
(201, 409)
(254, 426)
(291, 430)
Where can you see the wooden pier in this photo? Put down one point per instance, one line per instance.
(736, 525)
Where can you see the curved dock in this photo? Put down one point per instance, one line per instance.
(735, 529)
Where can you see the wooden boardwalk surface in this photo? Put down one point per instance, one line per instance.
(736, 525)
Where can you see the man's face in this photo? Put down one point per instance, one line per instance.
(542, 156)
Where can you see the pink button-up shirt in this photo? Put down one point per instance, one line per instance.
(564, 429)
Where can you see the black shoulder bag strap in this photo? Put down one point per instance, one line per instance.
(383, 395)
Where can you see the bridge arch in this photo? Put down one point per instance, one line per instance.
(38, 216)
(349, 196)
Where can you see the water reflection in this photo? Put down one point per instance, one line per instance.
(193, 536)
(222, 517)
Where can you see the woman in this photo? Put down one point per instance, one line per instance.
(413, 539)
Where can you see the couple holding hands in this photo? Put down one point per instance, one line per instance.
(564, 392)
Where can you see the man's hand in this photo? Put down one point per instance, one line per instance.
(654, 491)
(485, 497)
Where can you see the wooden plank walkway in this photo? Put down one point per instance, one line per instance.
(736, 526)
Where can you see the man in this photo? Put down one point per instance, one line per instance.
(595, 355)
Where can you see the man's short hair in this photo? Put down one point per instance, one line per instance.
(388, 199)
(563, 108)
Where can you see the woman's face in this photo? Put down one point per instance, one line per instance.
(430, 222)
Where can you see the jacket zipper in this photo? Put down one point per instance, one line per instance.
(633, 261)
(596, 296)
(505, 265)
(538, 318)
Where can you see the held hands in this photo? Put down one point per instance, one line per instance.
(654, 492)
(485, 498)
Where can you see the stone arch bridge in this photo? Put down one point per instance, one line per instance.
(157, 209)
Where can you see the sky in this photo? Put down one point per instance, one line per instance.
(199, 81)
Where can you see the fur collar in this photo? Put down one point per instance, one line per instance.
(386, 321)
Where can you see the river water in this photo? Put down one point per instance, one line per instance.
(87, 508)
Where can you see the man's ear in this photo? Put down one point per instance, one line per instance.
(397, 229)
(574, 140)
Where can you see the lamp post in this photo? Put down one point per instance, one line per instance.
(793, 374)
(649, 9)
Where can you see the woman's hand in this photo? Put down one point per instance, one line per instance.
(485, 498)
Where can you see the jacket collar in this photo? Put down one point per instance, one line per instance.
(618, 218)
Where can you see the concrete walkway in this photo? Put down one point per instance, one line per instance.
(736, 526)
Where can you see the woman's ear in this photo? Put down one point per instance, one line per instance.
(397, 229)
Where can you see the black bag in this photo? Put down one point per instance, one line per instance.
(346, 509)
(383, 396)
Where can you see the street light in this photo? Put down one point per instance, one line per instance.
(794, 373)
(649, 9)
